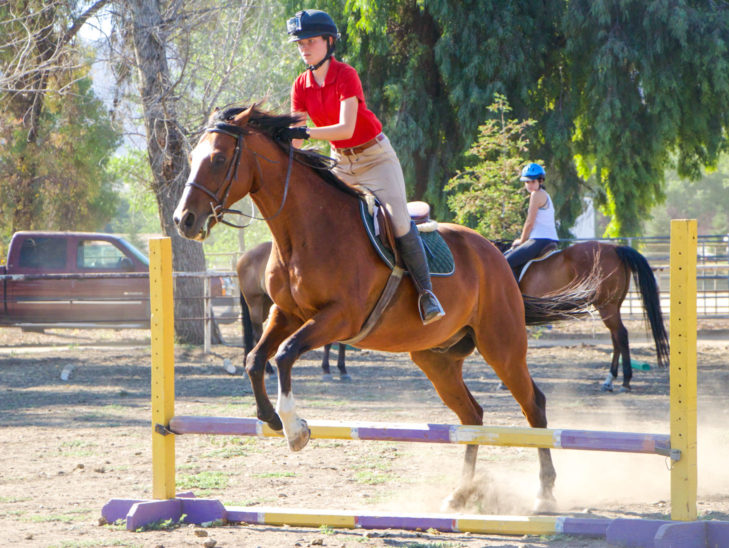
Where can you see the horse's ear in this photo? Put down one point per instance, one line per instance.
(242, 118)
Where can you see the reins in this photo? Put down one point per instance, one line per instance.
(217, 205)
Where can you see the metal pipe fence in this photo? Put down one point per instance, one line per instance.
(712, 298)
(712, 273)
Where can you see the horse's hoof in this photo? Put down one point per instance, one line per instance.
(458, 499)
(345, 378)
(299, 441)
(327, 377)
(624, 389)
(275, 423)
(502, 386)
(447, 504)
(606, 388)
(545, 505)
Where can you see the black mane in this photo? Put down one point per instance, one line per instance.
(268, 124)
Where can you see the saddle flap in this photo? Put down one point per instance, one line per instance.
(546, 251)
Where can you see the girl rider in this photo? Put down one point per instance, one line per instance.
(330, 93)
(539, 228)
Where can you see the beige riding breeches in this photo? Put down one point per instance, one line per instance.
(378, 169)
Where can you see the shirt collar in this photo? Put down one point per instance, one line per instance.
(332, 73)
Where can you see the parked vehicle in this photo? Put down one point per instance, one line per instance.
(60, 300)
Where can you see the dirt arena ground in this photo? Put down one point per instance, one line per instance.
(67, 446)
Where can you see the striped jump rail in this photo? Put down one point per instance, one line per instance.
(589, 440)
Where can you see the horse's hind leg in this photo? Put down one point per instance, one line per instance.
(509, 363)
(341, 362)
(326, 374)
(610, 315)
(444, 370)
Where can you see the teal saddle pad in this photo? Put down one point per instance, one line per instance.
(440, 258)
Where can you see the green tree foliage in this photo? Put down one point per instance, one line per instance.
(485, 195)
(55, 134)
(706, 200)
(59, 180)
(617, 89)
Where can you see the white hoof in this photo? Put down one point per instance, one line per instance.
(607, 385)
(447, 504)
(299, 440)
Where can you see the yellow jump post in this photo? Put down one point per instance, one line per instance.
(683, 368)
(163, 366)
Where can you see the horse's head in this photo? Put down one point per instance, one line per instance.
(217, 179)
(225, 166)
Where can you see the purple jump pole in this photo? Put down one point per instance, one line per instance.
(437, 433)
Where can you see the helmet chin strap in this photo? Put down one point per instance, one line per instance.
(330, 51)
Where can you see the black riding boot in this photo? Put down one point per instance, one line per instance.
(413, 255)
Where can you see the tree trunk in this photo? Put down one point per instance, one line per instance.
(168, 159)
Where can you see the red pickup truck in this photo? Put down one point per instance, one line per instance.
(62, 300)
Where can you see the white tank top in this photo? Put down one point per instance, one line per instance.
(544, 226)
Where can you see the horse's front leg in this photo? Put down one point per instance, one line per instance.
(278, 328)
(315, 332)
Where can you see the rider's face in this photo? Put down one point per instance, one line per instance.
(312, 50)
(532, 185)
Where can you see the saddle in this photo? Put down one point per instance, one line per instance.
(379, 230)
(549, 250)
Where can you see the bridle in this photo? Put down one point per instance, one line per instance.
(220, 196)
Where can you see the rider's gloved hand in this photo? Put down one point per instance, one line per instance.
(291, 133)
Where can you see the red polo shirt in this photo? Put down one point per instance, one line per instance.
(321, 103)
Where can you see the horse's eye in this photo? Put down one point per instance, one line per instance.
(218, 160)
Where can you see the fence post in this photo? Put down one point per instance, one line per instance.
(163, 367)
(208, 315)
(683, 368)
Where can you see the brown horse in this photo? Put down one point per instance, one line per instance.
(613, 266)
(325, 277)
(255, 305)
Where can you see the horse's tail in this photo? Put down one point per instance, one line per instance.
(572, 303)
(646, 282)
(247, 327)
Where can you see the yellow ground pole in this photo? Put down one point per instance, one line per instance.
(163, 366)
(683, 368)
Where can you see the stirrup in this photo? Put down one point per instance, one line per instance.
(433, 315)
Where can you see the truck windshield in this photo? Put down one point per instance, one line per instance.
(134, 251)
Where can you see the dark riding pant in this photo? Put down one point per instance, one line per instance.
(519, 256)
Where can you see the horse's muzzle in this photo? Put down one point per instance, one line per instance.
(189, 225)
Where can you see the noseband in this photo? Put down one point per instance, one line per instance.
(218, 203)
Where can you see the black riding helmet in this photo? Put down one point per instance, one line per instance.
(310, 23)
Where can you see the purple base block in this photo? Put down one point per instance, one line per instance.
(681, 535)
(149, 511)
(633, 532)
(117, 509)
(717, 534)
(139, 513)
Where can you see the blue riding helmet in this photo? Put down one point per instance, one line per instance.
(532, 171)
(310, 23)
